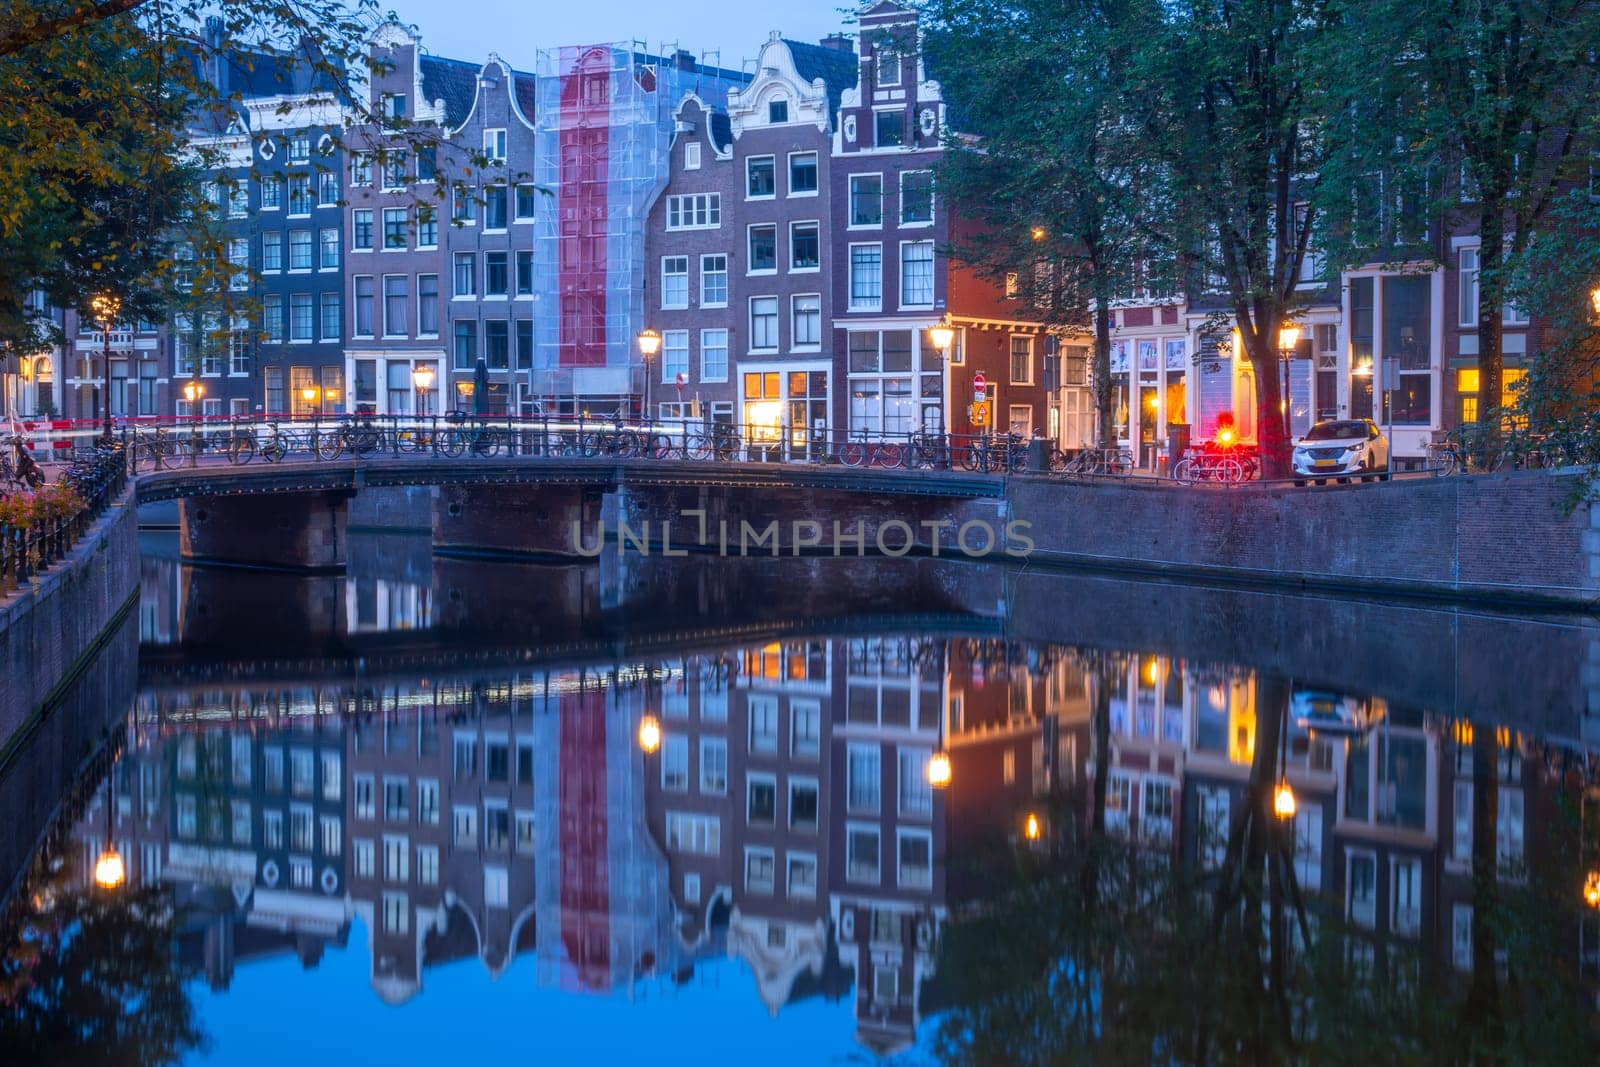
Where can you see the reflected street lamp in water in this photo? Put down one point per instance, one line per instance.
(1283, 802)
(109, 870)
(649, 734)
(1591, 890)
(1032, 829)
(939, 769)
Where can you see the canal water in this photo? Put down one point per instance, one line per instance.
(801, 811)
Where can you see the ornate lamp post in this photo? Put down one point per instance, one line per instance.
(193, 390)
(312, 396)
(105, 307)
(1288, 338)
(422, 380)
(649, 345)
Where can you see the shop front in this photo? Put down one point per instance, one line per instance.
(1150, 379)
(785, 410)
(398, 384)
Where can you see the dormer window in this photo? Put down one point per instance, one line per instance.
(888, 68)
(494, 145)
(691, 156)
(394, 106)
(778, 112)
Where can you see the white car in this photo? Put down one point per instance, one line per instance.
(1320, 712)
(1339, 448)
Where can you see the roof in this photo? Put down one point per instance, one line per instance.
(839, 70)
(523, 89)
(451, 80)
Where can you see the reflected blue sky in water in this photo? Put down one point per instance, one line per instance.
(462, 1016)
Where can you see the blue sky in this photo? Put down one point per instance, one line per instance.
(470, 29)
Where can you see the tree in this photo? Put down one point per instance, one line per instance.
(1221, 91)
(1044, 161)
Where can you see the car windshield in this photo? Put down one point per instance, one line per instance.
(1343, 430)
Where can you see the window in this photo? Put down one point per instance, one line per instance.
(888, 68)
(427, 305)
(299, 194)
(362, 790)
(465, 758)
(464, 827)
(699, 835)
(496, 281)
(299, 249)
(465, 206)
(889, 128)
(497, 344)
(1363, 888)
(713, 765)
(332, 835)
(466, 345)
(1461, 936)
(764, 324)
(394, 305)
(524, 344)
(466, 276)
(866, 200)
(916, 859)
(1021, 361)
(674, 354)
(361, 229)
(299, 872)
(802, 875)
(428, 801)
(524, 831)
(238, 199)
(328, 188)
(806, 317)
(761, 800)
(241, 822)
(300, 148)
(272, 192)
(395, 806)
(805, 251)
(861, 854)
(494, 145)
(271, 829)
(802, 173)
(916, 795)
(396, 914)
(675, 282)
(494, 207)
(694, 211)
(428, 865)
(916, 274)
(916, 197)
(328, 242)
(714, 355)
(239, 261)
(496, 827)
(777, 111)
(396, 859)
(300, 317)
(361, 169)
(714, 280)
(763, 249)
(427, 227)
(524, 273)
(804, 722)
(803, 805)
(394, 227)
(1405, 916)
(394, 170)
(364, 854)
(525, 205)
(864, 777)
(866, 277)
(759, 866)
(760, 177)
(271, 251)
(763, 724)
(691, 156)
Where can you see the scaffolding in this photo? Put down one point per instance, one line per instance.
(602, 132)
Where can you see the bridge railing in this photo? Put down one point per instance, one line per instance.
(56, 519)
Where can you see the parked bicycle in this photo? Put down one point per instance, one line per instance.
(721, 442)
(862, 451)
(359, 438)
(995, 453)
(1096, 462)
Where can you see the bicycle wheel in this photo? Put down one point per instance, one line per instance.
(1122, 464)
(697, 447)
(1184, 472)
(1230, 470)
(367, 442)
(591, 444)
(329, 444)
(626, 444)
(242, 449)
(453, 443)
(891, 455)
(852, 453)
(485, 443)
(659, 447)
(273, 451)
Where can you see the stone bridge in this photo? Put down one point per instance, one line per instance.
(294, 515)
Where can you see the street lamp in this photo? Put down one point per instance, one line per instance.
(942, 336)
(105, 307)
(1591, 889)
(649, 344)
(422, 379)
(192, 392)
(649, 734)
(1283, 802)
(1288, 340)
(939, 769)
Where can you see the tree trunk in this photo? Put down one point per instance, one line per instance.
(1482, 1007)
(1491, 361)
(1271, 401)
(1105, 434)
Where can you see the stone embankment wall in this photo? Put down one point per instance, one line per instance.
(52, 628)
(1504, 539)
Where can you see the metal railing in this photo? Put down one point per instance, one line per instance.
(97, 477)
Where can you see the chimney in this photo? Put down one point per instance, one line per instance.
(683, 59)
(839, 42)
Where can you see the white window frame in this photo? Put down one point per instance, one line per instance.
(691, 155)
(850, 201)
(850, 280)
(773, 161)
(795, 342)
(777, 339)
(816, 158)
(1011, 370)
(754, 778)
(933, 274)
(683, 303)
(750, 269)
(771, 856)
(851, 830)
(921, 881)
(805, 270)
(706, 372)
(933, 205)
(705, 301)
(494, 144)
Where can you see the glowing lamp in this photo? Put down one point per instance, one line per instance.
(649, 343)
(1225, 436)
(1594, 299)
(1283, 805)
(1038, 233)
(1288, 337)
(109, 872)
(309, 394)
(942, 336)
(193, 390)
(939, 770)
(649, 734)
(1031, 828)
(422, 377)
(1591, 890)
(105, 307)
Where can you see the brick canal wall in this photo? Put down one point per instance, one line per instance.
(1502, 538)
(52, 627)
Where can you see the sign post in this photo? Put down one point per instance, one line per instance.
(1391, 384)
(979, 411)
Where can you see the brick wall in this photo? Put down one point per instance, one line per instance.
(49, 625)
(1503, 538)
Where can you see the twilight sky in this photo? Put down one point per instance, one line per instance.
(516, 29)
